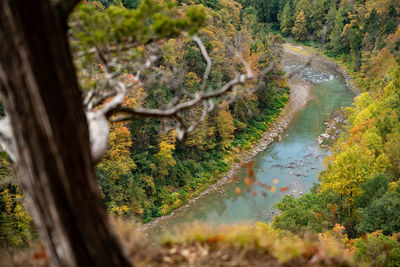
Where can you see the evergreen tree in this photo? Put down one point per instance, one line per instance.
(317, 16)
(391, 20)
(131, 3)
(329, 24)
(286, 19)
(372, 27)
(305, 6)
(382, 214)
(336, 34)
(267, 10)
(299, 30)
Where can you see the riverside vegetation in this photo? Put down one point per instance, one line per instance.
(147, 172)
(356, 207)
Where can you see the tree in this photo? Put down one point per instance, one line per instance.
(391, 20)
(287, 19)
(299, 29)
(336, 33)
(329, 23)
(164, 155)
(225, 125)
(346, 173)
(52, 148)
(372, 189)
(131, 3)
(317, 16)
(267, 10)
(372, 29)
(305, 6)
(15, 223)
(392, 148)
(307, 213)
(382, 214)
(49, 135)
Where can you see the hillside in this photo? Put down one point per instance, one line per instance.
(191, 91)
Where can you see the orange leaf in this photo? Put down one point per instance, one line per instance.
(255, 193)
(247, 181)
(251, 172)
(284, 189)
(251, 165)
(250, 169)
(237, 190)
(275, 181)
(272, 189)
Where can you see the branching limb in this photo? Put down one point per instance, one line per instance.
(207, 59)
(170, 112)
(116, 101)
(98, 133)
(98, 119)
(206, 110)
(7, 142)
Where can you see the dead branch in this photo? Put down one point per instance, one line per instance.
(98, 126)
(7, 143)
(207, 59)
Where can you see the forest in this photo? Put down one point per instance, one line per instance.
(159, 54)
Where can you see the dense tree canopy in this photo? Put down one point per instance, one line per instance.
(160, 56)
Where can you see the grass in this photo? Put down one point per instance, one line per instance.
(204, 245)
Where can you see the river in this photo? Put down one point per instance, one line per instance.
(293, 162)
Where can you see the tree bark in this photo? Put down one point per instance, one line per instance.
(54, 165)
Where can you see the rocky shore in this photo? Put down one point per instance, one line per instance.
(334, 128)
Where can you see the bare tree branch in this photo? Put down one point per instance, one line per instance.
(160, 113)
(206, 110)
(99, 128)
(98, 133)
(208, 60)
(116, 101)
(7, 143)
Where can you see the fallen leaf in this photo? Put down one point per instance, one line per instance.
(251, 172)
(284, 189)
(251, 165)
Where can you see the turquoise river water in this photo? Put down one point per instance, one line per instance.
(294, 161)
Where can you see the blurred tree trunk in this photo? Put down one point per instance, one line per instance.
(40, 90)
